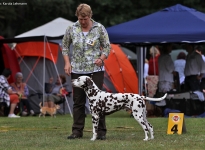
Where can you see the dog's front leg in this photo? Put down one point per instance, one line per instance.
(95, 121)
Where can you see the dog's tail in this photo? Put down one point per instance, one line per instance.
(40, 104)
(156, 99)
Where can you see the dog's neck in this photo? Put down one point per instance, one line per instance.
(92, 90)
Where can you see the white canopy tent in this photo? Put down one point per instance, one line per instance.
(54, 28)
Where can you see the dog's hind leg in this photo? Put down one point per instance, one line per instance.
(150, 127)
(138, 115)
(95, 121)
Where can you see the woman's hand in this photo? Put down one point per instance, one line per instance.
(99, 62)
(68, 69)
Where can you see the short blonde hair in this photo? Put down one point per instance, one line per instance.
(154, 51)
(83, 10)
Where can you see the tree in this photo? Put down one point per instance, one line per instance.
(16, 19)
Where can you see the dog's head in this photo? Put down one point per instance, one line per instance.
(57, 106)
(83, 82)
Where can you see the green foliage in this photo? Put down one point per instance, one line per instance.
(17, 19)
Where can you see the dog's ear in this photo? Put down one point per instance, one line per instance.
(89, 83)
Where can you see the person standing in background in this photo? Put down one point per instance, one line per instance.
(194, 69)
(166, 72)
(91, 47)
(153, 61)
(179, 65)
(199, 50)
(153, 71)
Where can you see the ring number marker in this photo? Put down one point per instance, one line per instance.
(176, 124)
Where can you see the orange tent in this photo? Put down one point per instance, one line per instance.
(120, 71)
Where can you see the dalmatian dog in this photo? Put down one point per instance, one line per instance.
(104, 103)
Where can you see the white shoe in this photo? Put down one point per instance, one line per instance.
(24, 113)
(32, 112)
(13, 116)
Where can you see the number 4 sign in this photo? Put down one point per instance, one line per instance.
(176, 124)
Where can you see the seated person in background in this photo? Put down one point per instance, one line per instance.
(179, 65)
(49, 86)
(166, 71)
(22, 89)
(56, 94)
(7, 95)
(194, 69)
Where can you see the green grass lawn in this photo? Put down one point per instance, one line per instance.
(124, 133)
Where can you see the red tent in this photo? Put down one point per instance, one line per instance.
(120, 71)
(9, 60)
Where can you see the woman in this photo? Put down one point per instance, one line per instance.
(22, 89)
(153, 61)
(7, 95)
(91, 47)
(56, 92)
(153, 71)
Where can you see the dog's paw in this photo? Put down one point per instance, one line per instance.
(146, 139)
(93, 139)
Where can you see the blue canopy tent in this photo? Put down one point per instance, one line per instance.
(176, 24)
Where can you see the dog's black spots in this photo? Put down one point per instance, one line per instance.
(135, 110)
(109, 104)
(149, 124)
(92, 101)
(104, 103)
(107, 99)
(92, 92)
(132, 104)
(136, 115)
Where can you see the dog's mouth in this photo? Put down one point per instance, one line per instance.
(72, 82)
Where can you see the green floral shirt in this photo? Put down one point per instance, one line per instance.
(87, 48)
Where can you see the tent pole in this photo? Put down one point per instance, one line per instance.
(140, 68)
(58, 75)
(144, 79)
(44, 64)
